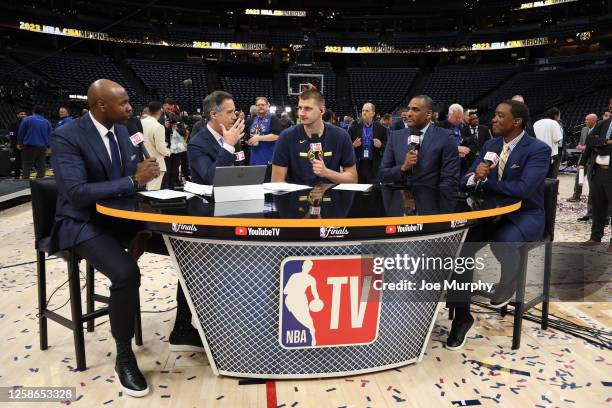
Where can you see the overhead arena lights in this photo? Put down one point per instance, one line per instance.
(545, 3)
(275, 13)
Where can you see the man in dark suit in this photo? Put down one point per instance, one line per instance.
(94, 159)
(369, 138)
(598, 150)
(402, 122)
(520, 173)
(216, 144)
(475, 136)
(13, 132)
(434, 164)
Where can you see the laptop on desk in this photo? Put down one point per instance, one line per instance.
(239, 183)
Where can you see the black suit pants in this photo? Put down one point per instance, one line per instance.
(601, 191)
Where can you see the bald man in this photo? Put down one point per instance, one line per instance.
(369, 138)
(94, 159)
(590, 121)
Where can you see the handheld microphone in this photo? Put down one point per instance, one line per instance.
(315, 145)
(492, 156)
(137, 141)
(414, 141)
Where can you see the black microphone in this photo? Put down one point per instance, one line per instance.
(315, 145)
(137, 140)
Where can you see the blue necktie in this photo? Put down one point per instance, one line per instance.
(115, 157)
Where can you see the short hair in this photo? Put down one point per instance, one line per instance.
(328, 115)
(372, 105)
(262, 98)
(313, 94)
(168, 101)
(518, 98)
(154, 107)
(213, 102)
(552, 112)
(473, 112)
(18, 111)
(518, 110)
(427, 99)
(37, 109)
(387, 116)
(455, 107)
(64, 107)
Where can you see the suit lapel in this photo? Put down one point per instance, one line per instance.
(516, 152)
(425, 138)
(92, 136)
(127, 151)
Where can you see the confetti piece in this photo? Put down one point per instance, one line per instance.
(108, 402)
(331, 389)
(398, 399)
(220, 397)
(165, 396)
(466, 403)
(191, 378)
(607, 383)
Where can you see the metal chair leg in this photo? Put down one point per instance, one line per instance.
(89, 289)
(77, 313)
(41, 272)
(138, 326)
(547, 272)
(519, 304)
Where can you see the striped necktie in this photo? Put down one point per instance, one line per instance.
(502, 162)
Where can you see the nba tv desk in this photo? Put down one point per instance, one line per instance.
(283, 287)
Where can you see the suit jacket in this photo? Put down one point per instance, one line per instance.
(205, 155)
(596, 144)
(155, 140)
(437, 166)
(475, 144)
(398, 125)
(378, 132)
(524, 177)
(82, 169)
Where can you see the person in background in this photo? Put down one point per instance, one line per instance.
(385, 120)
(263, 131)
(64, 115)
(529, 125)
(154, 135)
(329, 116)
(550, 132)
(347, 122)
(84, 112)
(402, 122)
(606, 114)
(369, 139)
(285, 120)
(33, 141)
(454, 122)
(13, 132)
(590, 121)
(475, 136)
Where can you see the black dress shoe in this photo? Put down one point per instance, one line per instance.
(130, 378)
(503, 294)
(458, 334)
(185, 339)
(585, 218)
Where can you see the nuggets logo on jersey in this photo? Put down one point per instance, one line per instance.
(328, 301)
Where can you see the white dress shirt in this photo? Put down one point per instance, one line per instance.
(220, 140)
(103, 131)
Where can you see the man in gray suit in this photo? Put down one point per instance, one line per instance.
(590, 121)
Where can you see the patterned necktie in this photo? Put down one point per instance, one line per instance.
(115, 157)
(609, 132)
(502, 162)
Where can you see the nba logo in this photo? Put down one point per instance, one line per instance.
(328, 301)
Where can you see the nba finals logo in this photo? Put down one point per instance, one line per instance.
(328, 301)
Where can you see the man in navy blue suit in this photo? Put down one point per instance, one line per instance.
(520, 173)
(217, 144)
(94, 159)
(435, 163)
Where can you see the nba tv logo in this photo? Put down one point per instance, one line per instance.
(328, 301)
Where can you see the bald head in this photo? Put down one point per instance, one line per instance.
(590, 120)
(108, 102)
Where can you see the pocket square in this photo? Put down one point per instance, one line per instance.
(132, 157)
(515, 166)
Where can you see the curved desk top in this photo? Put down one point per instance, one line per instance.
(314, 214)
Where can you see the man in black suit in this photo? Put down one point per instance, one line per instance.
(13, 132)
(454, 122)
(475, 136)
(402, 122)
(599, 149)
(369, 138)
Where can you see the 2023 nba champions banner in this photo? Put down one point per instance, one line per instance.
(328, 301)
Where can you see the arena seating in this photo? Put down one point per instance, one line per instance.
(329, 83)
(465, 84)
(246, 88)
(165, 80)
(385, 87)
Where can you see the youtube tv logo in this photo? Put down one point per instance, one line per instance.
(240, 231)
(391, 229)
